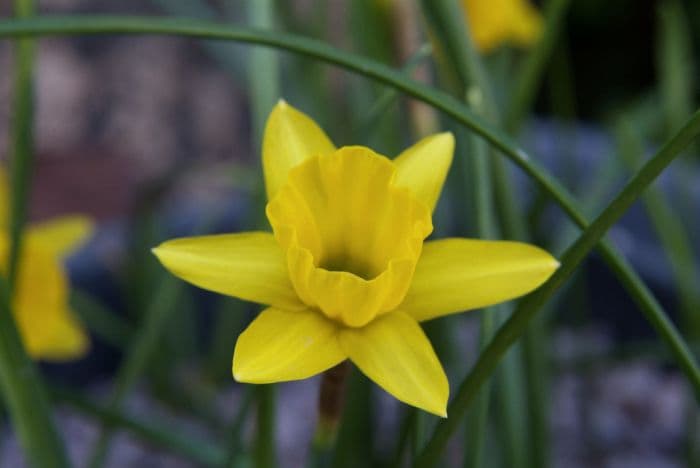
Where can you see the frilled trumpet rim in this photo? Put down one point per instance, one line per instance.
(352, 238)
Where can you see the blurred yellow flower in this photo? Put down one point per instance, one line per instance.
(47, 326)
(495, 22)
(346, 271)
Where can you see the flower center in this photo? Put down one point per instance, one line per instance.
(352, 238)
(357, 266)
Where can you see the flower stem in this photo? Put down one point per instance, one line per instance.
(25, 396)
(529, 76)
(22, 142)
(142, 348)
(21, 386)
(235, 432)
(199, 451)
(331, 398)
(264, 455)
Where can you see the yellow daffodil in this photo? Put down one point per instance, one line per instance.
(346, 272)
(47, 326)
(495, 22)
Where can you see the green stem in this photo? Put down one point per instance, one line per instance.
(142, 348)
(480, 179)
(449, 26)
(678, 249)
(670, 231)
(263, 70)
(406, 433)
(101, 321)
(93, 24)
(200, 451)
(353, 446)
(97, 24)
(21, 142)
(264, 451)
(264, 88)
(674, 63)
(535, 352)
(450, 30)
(235, 434)
(371, 118)
(535, 338)
(25, 396)
(20, 383)
(478, 417)
(530, 75)
(231, 319)
(527, 309)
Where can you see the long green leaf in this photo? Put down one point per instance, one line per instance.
(527, 309)
(674, 59)
(141, 349)
(264, 89)
(20, 382)
(529, 77)
(95, 24)
(25, 396)
(451, 31)
(92, 24)
(104, 323)
(199, 451)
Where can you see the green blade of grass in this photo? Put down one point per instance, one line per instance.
(200, 451)
(670, 231)
(21, 149)
(530, 75)
(104, 323)
(375, 113)
(25, 396)
(142, 347)
(480, 179)
(674, 57)
(93, 24)
(528, 308)
(235, 432)
(678, 249)
(264, 90)
(449, 27)
(22, 387)
(462, 71)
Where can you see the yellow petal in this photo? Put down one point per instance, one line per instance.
(495, 22)
(290, 137)
(395, 353)
(453, 275)
(526, 29)
(247, 265)
(352, 238)
(60, 338)
(48, 328)
(61, 235)
(286, 345)
(422, 168)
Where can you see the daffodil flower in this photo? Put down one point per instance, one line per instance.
(346, 272)
(495, 22)
(47, 326)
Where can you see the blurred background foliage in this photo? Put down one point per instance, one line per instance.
(156, 137)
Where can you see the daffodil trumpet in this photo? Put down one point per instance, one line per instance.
(346, 272)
